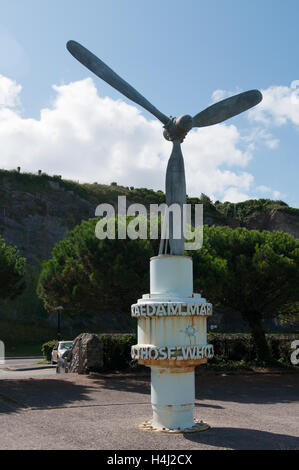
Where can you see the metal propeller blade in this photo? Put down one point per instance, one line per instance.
(102, 70)
(227, 108)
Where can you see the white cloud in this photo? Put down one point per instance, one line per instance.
(277, 195)
(86, 137)
(258, 134)
(263, 189)
(9, 92)
(219, 95)
(234, 195)
(280, 105)
(269, 192)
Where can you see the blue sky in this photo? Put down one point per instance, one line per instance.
(179, 55)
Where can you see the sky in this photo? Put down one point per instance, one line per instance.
(55, 115)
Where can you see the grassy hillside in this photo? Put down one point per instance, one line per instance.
(246, 208)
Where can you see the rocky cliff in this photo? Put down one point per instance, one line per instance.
(37, 211)
(273, 220)
(35, 220)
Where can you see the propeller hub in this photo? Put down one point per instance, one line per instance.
(178, 128)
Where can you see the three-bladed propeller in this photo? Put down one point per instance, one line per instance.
(227, 108)
(175, 128)
(102, 70)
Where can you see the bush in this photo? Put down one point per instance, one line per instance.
(233, 347)
(229, 349)
(117, 351)
(12, 270)
(240, 347)
(47, 349)
(280, 345)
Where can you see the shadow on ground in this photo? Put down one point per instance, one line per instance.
(255, 389)
(43, 393)
(244, 439)
(211, 392)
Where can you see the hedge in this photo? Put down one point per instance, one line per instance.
(240, 346)
(117, 351)
(227, 348)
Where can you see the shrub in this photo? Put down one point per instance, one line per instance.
(234, 347)
(117, 351)
(228, 348)
(47, 349)
(12, 270)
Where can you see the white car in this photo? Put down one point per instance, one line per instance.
(59, 349)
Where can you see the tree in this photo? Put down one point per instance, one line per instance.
(256, 273)
(12, 269)
(27, 305)
(88, 276)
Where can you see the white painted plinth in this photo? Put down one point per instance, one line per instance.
(172, 340)
(172, 396)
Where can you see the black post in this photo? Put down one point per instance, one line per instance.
(58, 326)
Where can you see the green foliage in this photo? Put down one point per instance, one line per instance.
(254, 270)
(231, 350)
(243, 209)
(256, 273)
(33, 183)
(87, 276)
(241, 347)
(110, 193)
(47, 348)
(288, 210)
(117, 351)
(27, 306)
(209, 208)
(12, 266)
(234, 347)
(24, 338)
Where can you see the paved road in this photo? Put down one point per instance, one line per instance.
(21, 361)
(4, 374)
(10, 368)
(103, 412)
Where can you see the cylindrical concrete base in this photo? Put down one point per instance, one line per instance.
(171, 275)
(172, 396)
(172, 340)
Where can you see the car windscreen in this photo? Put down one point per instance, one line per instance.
(66, 345)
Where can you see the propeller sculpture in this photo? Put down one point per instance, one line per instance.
(175, 129)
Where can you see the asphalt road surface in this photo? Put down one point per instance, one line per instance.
(10, 368)
(69, 411)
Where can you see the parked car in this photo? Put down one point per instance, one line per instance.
(59, 349)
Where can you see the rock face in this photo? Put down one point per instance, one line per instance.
(273, 220)
(35, 221)
(86, 354)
